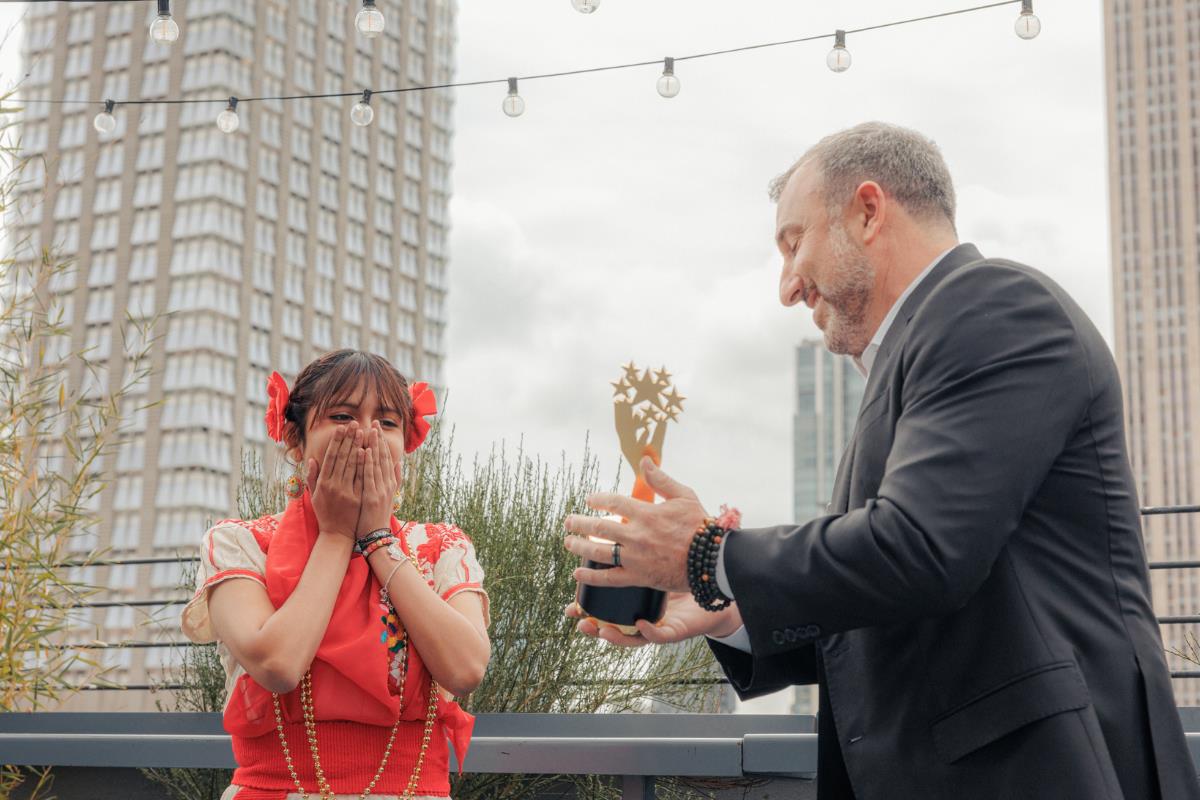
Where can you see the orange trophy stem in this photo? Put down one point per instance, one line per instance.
(641, 489)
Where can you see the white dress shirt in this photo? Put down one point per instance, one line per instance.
(863, 363)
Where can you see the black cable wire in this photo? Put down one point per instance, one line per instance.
(539, 76)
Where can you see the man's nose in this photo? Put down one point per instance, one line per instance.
(789, 289)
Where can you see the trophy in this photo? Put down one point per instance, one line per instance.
(643, 403)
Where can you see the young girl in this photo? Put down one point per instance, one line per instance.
(343, 632)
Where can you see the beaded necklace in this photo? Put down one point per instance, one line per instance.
(310, 725)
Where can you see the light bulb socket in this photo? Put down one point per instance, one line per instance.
(164, 8)
(512, 86)
(366, 98)
(233, 101)
(368, 3)
(839, 39)
(1026, 7)
(668, 66)
(109, 105)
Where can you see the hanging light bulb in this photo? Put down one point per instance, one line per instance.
(514, 104)
(362, 113)
(668, 84)
(1027, 25)
(105, 123)
(585, 6)
(228, 120)
(838, 59)
(369, 20)
(164, 29)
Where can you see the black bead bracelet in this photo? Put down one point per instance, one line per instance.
(702, 566)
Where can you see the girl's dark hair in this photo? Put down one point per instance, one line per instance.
(334, 378)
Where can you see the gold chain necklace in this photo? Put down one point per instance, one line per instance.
(310, 728)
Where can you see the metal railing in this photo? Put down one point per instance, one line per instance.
(1146, 511)
(633, 748)
(773, 754)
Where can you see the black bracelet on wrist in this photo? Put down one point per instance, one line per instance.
(702, 566)
(363, 541)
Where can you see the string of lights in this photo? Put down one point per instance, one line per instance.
(370, 23)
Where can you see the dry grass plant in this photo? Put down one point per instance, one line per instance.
(512, 506)
(60, 415)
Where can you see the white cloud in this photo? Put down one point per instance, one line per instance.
(607, 223)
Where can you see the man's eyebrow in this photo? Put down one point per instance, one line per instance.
(783, 232)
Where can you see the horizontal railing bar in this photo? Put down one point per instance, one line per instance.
(503, 723)
(1186, 673)
(634, 750)
(120, 645)
(129, 603)
(686, 725)
(628, 681)
(611, 755)
(116, 562)
(1185, 619)
(130, 687)
(1150, 511)
(1174, 564)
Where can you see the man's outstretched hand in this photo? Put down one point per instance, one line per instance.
(683, 620)
(654, 537)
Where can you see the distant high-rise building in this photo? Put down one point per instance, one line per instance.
(829, 391)
(297, 234)
(1153, 77)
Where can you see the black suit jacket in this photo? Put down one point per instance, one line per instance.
(977, 603)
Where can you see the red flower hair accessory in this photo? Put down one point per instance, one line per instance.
(424, 404)
(277, 391)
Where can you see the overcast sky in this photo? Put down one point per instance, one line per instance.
(608, 224)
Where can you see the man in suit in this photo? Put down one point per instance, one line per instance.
(976, 604)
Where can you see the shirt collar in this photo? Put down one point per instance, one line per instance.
(864, 362)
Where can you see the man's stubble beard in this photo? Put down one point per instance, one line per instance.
(848, 295)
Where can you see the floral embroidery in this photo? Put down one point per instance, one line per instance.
(430, 544)
(438, 539)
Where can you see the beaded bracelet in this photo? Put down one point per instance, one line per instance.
(378, 544)
(702, 559)
(361, 543)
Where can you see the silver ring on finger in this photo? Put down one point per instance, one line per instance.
(616, 554)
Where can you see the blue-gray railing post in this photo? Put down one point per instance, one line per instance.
(637, 787)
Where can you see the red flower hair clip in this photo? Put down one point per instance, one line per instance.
(277, 392)
(424, 404)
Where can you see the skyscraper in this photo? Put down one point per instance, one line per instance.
(1153, 76)
(296, 234)
(829, 391)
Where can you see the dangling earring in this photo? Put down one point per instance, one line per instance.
(294, 485)
(397, 499)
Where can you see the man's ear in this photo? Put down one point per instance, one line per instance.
(871, 205)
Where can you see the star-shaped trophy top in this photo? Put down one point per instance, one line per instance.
(644, 402)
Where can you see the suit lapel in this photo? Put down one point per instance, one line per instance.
(876, 381)
(880, 371)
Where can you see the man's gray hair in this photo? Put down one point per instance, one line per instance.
(908, 166)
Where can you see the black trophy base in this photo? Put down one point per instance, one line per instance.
(620, 606)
